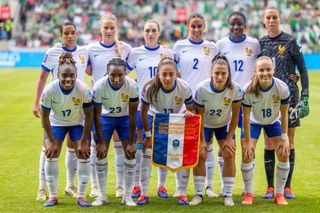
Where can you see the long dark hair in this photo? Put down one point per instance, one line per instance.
(222, 60)
(155, 83)
(254, 86)
(66, 61)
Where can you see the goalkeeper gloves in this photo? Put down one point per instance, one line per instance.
(304, 108)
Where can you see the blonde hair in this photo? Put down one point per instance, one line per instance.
(118, 43)
(254, 86)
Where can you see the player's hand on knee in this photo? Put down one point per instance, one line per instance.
(101, 150)
(131, 150)
(83, 151)
(52, 149)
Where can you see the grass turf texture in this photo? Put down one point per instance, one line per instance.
(21, 141)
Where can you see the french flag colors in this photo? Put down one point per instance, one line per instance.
(175, 141)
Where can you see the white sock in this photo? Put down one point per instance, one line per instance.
(129, 174)
(93, 160)
(52, 171)
(71, 166)
(282, 172)
(221, 164)
(84, 173)
(183, 181)
(42, 175)
(228, 183)
(119, 159)
(178, 174)
(198, 184)
(145, 172)
(210, 166)
(162, 176)
(247, 176)
(138, 167)
(102, 173)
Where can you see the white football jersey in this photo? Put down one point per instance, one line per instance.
(51, 60)
(242, 56)
(115, 101)
(265, 109)
(169, 101)
(217, 103)
(100, 54)
(145, 61)
(195, 60)
(66, 107)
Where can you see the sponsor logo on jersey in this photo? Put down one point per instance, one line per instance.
(281, 50)
(178, 100)
(206, 51)
(276, 99)
(248, 51)
(124, 97)
(226, 101)
(82, 58)
(76, 101)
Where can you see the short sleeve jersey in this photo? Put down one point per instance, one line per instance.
(242, 56)
(172, 101)
(195, 60)
(115, 101)
(66, 106)
(100, 54)
(145, 61)
(50, 62)
(265, 109)
(217, 103)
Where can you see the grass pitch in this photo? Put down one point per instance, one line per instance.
(21, 141)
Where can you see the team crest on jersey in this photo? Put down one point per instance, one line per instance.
(76, 101)
(248, 51)
(281, 50)
(82, 58)
(226, 101)
(276, 99)
(178, 100)
(206, 51)
(124, 97)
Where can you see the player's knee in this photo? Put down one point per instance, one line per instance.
(268, 144)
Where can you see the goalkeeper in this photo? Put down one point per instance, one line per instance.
(285, 52)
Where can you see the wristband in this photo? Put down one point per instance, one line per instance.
(148, 134)
(284, 136)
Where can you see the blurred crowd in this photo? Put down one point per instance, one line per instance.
(40, 19)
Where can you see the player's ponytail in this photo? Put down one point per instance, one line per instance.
(222, 60)
(254, 86)
(66, 61)
(116, 40)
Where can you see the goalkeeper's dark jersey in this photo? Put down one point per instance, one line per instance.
(285, 53)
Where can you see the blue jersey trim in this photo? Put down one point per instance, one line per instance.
(238, 41)
(46, 108)
(96, 103)
(45, 68)
(169, 91)
(106, 46)
(115, 88)
(65, 92)
(266, 90)
(197, 104)
(194, 42)
(214, 89)
(236, 101)
(285, 101)
(69, 51)
(246, 105)
(128, 66)
(134, 99)
(152, 49)
(143, 101)
(87, 105)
